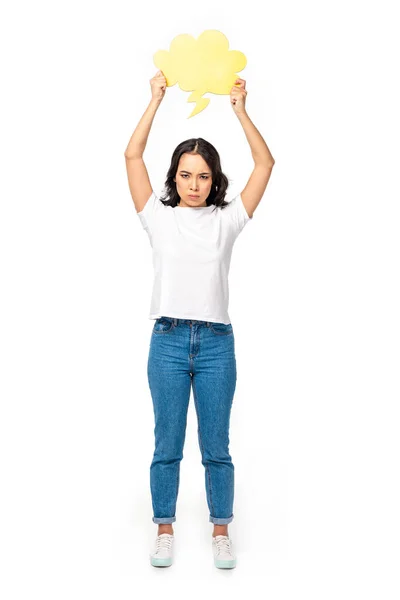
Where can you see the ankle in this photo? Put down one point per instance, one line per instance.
(220, 530)
(165, 529)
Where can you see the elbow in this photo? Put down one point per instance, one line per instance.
(132, 156)
(265, 164)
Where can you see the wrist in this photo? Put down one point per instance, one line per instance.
(155, 102)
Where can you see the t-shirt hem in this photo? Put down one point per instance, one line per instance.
(195, 318)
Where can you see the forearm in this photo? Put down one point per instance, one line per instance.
(259, 149)
(138, 141)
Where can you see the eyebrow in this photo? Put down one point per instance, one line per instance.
(204, 172)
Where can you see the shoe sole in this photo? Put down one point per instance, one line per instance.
(161, 562)
(225, 564)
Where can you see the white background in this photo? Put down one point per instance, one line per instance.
(314, 303)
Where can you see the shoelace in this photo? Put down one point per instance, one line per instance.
(163, 542)
(223, 545)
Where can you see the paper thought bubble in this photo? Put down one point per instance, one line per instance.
(200, 66)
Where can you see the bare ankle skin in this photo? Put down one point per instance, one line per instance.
(165, 528)
(220, 530)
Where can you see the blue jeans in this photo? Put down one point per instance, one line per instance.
(185, 353)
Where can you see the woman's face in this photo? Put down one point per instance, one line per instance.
(193, 178)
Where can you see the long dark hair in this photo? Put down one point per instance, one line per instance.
(207, 151)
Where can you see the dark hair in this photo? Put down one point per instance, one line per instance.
(220, 181)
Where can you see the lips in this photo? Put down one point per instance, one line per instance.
(191, 196)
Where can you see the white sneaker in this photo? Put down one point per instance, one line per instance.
(163, 550)
(224, 557)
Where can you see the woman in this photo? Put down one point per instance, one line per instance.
(192, 342)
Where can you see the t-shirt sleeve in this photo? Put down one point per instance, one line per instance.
(148, 214)
(237, 214)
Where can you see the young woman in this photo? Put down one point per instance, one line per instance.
(192, 231)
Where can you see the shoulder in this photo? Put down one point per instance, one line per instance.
(235, 214)
(236, 206)
(153, 203)
(149, 213)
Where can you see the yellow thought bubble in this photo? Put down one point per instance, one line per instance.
(200, 66)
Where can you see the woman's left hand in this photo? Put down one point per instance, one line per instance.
(238, 96)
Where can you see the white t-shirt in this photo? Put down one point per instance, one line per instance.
(192, 248)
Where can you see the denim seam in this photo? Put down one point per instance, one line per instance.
(201, 444)
(228, 332)
(164, 330)
(177, 484)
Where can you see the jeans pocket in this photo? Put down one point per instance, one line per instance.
(221, 328)
(163, 325)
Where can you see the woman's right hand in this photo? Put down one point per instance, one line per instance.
(158, 86)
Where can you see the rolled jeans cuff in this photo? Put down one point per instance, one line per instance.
(164, 519)
(219, 521)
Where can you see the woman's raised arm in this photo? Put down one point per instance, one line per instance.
(138, 178)
(263, 159)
